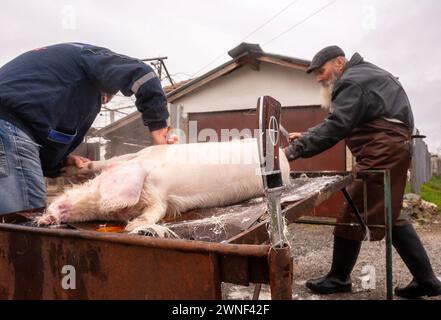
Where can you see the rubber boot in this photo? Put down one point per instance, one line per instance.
(345, 254)
(411, 250)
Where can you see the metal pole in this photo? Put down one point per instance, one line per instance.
(388, 222)
(280, 273)
(168, 75)
(278, 238)
(365, 204)
(354, 209)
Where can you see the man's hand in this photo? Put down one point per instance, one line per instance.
(293, 151)
(294, 136)
(161, 136)
(79, 162)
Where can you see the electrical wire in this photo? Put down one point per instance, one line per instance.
(301, 22)
(249, 35)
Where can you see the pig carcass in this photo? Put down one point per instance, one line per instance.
(144, 187)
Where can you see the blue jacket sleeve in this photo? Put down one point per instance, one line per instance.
(111, 72)
(349, 107)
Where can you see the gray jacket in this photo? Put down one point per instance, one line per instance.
(364, 93)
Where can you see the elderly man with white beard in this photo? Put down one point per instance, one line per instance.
(370, 110)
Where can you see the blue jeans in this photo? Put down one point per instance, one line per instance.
(22, 184)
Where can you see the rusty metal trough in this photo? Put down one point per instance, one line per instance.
(217, 245)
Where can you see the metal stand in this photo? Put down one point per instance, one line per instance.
(364, 223)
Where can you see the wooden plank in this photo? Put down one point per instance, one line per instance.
(282, 63)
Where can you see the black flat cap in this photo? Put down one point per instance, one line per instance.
(324, 56)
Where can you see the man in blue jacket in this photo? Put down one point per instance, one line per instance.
(49, 98)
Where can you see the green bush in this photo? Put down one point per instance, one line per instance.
(431, 191)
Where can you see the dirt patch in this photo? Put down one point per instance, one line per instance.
(312, 251)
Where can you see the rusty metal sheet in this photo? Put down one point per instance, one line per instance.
(109, 266)
(104, 271)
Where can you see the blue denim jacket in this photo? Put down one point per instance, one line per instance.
(54, 94)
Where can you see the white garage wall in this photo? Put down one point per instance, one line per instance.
(241, 89)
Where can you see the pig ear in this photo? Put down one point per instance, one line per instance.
(120, 187)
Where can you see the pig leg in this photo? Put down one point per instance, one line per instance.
(94, 167)
(145, 224)
(47, 219)
(63, 210)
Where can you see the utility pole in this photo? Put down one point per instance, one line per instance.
(159, 64)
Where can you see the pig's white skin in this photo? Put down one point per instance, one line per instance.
(162, 180)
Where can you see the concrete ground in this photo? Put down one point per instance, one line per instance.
(312, 251)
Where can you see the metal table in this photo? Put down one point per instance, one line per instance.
(122, 266)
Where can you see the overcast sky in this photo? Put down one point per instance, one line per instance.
(402, 36)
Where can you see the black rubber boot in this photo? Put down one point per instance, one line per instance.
(411, 250)
(344, 256)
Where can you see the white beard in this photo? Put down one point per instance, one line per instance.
(326, 97)
(326, 93)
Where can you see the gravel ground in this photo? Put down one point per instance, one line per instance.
(312, 251)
